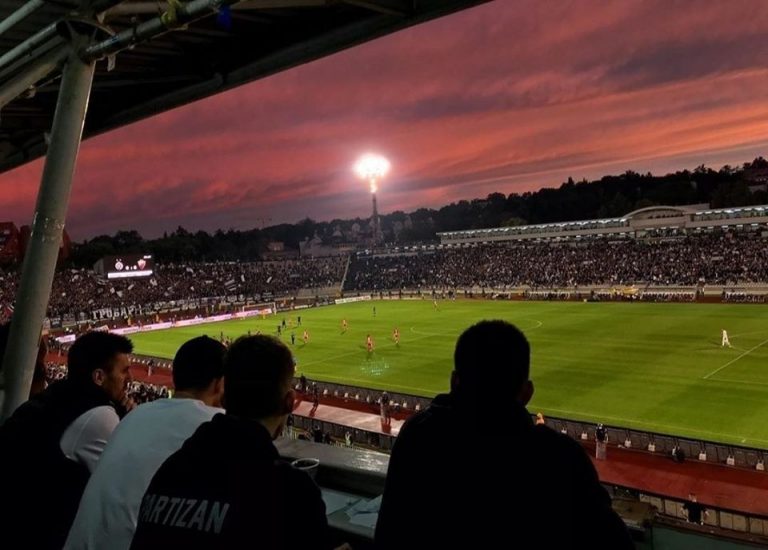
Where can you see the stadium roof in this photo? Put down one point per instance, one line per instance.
(211, 47)
(694, 213)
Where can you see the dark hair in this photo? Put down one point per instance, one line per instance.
(95, 350)
(197, 363)
(491, 352)
(257, 372)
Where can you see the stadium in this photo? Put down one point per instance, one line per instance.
(649, 293)
(647, 330)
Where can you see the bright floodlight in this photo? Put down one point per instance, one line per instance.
(372, 168)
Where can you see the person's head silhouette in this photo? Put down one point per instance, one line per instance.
(491, 352)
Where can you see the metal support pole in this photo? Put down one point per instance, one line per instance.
(376, 230)
(47, 225)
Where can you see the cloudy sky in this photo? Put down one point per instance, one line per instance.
(510, 96)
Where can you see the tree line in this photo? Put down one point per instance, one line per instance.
(610, 196)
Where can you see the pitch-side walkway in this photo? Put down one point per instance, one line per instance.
(723, 486)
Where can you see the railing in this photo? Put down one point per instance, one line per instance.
(362, 473)
(719, 518)
(706, 451)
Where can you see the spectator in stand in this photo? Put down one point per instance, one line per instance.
(678, 455)
(693, 511)
(109, 508)
(52, 443)
(229, 475)
(601, 439)
(474, 501)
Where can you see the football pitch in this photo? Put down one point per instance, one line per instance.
(657, 367)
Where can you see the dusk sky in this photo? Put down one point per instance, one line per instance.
(510, 96)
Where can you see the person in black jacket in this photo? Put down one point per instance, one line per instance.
(50, 445)
(227, 486)
(446, 489)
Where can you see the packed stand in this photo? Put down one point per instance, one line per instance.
(718, 258)
(78, 291)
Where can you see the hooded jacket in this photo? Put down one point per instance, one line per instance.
(459, 477)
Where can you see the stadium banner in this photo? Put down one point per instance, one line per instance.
(168, 324)
(353, 299)
(253, 313)
(142, 328)
(126, 330)
(202, 320)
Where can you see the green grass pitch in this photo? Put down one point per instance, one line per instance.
(657, 367)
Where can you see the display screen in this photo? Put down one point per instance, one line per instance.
(129, 265)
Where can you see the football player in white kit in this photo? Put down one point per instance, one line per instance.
(726, 342)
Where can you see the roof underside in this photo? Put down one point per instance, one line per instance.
(205, 58)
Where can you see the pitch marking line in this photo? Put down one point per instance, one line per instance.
(748, 333)
(732, 361)
(734, 381)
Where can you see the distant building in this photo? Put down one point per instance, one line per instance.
(316, 248)
(276, 250)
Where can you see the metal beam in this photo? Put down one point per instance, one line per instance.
(35, 73)
(401, 8)
(28, 46)
(160, 6)
(187, 13)
(20, 14)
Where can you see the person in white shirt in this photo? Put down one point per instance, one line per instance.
(726, 342)
(108, 511)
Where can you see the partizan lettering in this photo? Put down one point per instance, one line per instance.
(186, 513)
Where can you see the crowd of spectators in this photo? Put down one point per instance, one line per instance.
(712, 258)
(140, 392)
(77, 291)
(716, 258)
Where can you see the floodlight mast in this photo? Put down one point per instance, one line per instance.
(372, 168)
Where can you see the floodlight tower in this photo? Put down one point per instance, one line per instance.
(372, 168)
